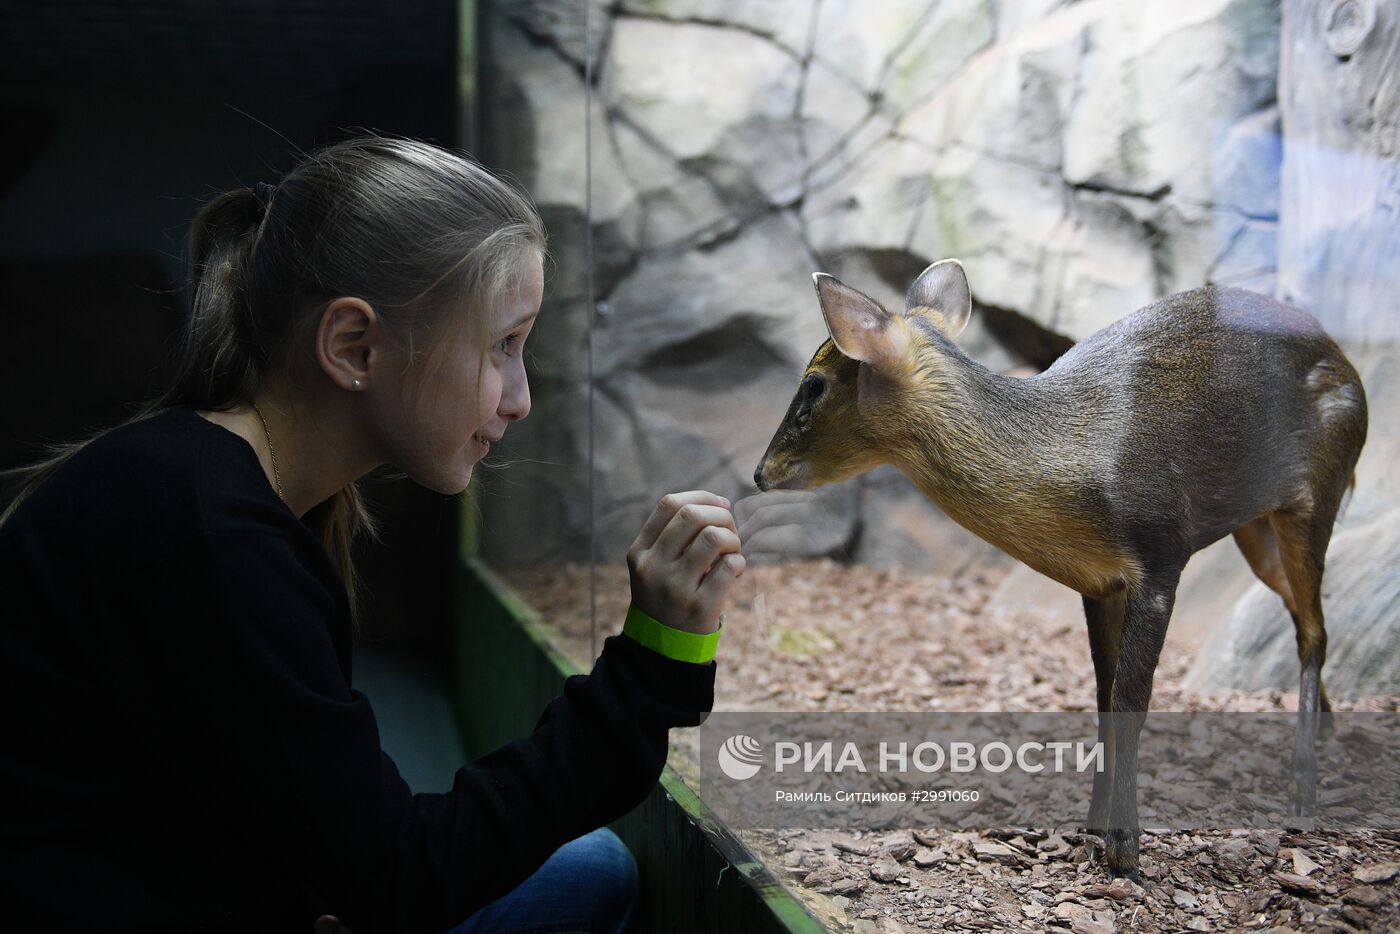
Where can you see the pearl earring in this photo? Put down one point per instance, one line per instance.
(354, 384)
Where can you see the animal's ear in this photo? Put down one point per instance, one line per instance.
(858, 326)
(941, 295)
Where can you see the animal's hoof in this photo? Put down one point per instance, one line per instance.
(1121, 853)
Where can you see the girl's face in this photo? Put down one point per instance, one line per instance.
(456, 425)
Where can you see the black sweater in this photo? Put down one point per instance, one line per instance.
(180, 747)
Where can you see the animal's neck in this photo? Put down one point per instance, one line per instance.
(1015, 461)
(989, 451)
(975, 432)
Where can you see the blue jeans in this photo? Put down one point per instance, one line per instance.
(589, 886)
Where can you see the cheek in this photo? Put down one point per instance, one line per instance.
(489, 398)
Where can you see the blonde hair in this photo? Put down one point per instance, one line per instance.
(411, 228)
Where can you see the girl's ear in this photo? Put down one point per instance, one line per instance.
(858, 326)
(941, 294)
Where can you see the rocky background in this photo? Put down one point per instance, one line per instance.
(1081, 158)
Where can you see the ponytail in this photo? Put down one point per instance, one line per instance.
(220, 358)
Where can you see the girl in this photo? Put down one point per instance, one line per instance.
(183, 749)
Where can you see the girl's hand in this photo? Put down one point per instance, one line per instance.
(685, 560)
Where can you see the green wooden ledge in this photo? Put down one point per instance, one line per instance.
(695, 874)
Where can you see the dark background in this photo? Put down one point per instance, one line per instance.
(120, 120)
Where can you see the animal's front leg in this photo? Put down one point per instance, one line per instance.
(1148, 610)
(1105, 618)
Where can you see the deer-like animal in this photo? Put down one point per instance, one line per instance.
(1212, 412)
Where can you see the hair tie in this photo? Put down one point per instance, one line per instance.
(263, 192)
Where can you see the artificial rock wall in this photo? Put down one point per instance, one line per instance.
(1081, 159)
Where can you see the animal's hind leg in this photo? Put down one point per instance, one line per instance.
(1260, 546)
(1302, 539)
(1256, 539)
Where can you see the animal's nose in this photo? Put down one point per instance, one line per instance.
(758, 477)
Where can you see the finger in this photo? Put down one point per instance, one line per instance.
(716, 585)
(667, 508)
(687, 523)
(711, 542)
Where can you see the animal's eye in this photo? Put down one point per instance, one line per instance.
(812, 387)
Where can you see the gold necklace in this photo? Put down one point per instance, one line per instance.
(275, 472)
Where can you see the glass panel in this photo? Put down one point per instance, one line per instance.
(1082, 161)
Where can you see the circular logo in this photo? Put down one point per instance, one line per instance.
(741, 757)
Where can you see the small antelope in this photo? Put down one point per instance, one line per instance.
(1212, 412)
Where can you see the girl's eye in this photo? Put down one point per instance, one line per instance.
(506, 343)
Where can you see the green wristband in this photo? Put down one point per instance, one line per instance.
(673, 643)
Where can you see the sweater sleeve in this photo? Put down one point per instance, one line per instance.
(299, 750)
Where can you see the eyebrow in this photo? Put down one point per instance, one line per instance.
(512, 327)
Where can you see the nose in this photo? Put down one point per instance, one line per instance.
(515, 396)
(758, 477)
